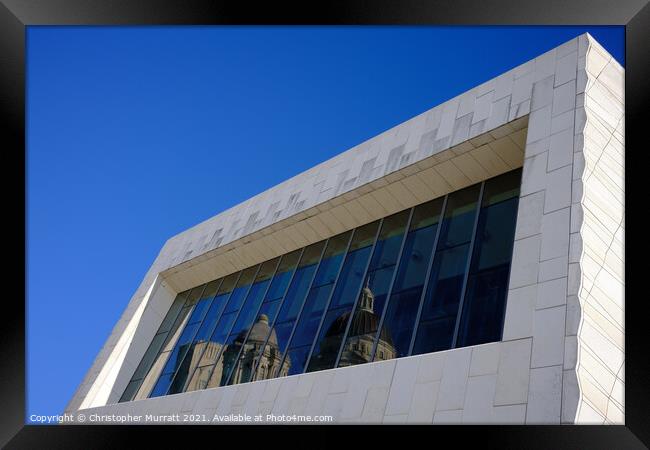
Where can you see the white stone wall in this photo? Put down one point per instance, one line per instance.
(469, 385)
(541, 372)
(597, 245)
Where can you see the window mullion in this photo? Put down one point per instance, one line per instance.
(302, 307)
(329, 300)
(392, 282)
(356, 300)
(271, 325)
(171, 381)
(245, 297)
(214, 328)
(425, 286)
(470, 255)
(232, 370)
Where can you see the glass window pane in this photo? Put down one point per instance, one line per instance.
(267, 270)
(130, 391)
(365, 321)
(149, 356)
(208, 351)
(295, 361)
(199, 379)
(229, 358)
(426, 214)
(224, 363)
(445, 282)
(223, 328)
(172, 314)
(193, 355)
(495, 235)
(332, 258)
(161, 385)
(228, 284)
(186, 366)
(195, 293)
(372, 297)
(152, 377)
(177, 328)
(415, 258)
(254, 299)
(389, 241)
(311, 315)
(269, 310)
(440, 308)
(252, 350)
(329, 340)
(312, 254)
(211, 317)
(239, 293)
(180, 348)
(272, 353)
(487, 286)
(171, 339)
(319, 294)
(349, 281)
(247, 322)
(283, 275)
(346, 291)
(434, 335)
(484, 308)
(459, 217)
(296, 293)
(418, 246)
(216, 308)
(269, 356)
(364, 236)
(280, 336)
(400, 318)
(503, 187)
(204, 301)
(351, 277)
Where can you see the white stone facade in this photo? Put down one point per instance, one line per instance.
(561, 360)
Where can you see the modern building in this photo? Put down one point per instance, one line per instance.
(465, 266)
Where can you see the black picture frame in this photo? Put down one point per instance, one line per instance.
(16, 15)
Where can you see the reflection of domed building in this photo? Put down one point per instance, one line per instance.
(201, 360)
(269, 360)
(363, 329)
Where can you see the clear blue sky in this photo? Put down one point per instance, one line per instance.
(135, 134)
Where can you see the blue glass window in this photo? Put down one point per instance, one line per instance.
(426, 279)
(240, 358)
(372, 297)
(316, 302)
(405, 298)
(487, 286)
(347, 288)
(270, 355)
(212, 348)
(439, 311)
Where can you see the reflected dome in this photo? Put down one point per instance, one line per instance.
(361, 335)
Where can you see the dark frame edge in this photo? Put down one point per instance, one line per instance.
(13, 350)
(12, 47)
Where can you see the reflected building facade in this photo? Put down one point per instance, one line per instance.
(428, 278)
(254, 353)
(358, 349)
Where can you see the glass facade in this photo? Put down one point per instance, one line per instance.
(426, 279)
